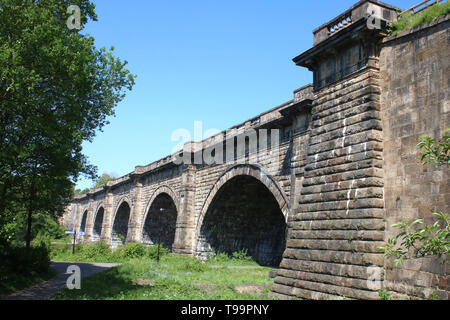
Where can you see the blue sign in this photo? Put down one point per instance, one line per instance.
(73, 232)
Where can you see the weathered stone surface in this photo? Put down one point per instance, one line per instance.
(414, 69)
(364, 259)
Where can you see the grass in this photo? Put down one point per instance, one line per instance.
(140, 277)
(174, 278)
(408, 21)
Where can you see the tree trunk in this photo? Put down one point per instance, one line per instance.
(3, 196)
(30, 211)
(29, 221)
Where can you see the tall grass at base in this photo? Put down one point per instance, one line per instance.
(101, 252)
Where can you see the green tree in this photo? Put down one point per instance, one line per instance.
(103, 180)
(56, 90)
(79, 191)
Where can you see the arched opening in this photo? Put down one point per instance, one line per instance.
(97, 231)
(244, 215)
(82, 226)
(83, 222)
(120, 226)
(160, 223)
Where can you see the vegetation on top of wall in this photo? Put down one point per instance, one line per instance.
(408, 20)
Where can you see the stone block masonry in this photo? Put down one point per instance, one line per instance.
(415, 98)
(319, 201)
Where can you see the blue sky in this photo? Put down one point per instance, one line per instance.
(216, 61)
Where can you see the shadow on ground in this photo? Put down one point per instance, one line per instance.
(49, 288)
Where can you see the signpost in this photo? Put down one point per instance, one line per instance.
(74, 237)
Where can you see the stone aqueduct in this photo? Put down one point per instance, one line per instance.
(318, 201)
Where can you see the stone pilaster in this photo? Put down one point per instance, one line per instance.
(185, 228)
(136, 213)
(339, 223)
(107, 219)
(89, 219)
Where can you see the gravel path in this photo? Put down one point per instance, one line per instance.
(47, 289)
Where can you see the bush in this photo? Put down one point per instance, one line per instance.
(431, 240)
(134, 250)
(98, 250)
(101, 252)
(60, 250)
(193, 265)
(241, 255)
(20, 261)
(21, 267)
(383, 294)
(222, 257)
(152, 252)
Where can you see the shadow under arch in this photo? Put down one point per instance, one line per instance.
(121, 219)
(160, 217)
(83, 221)
(98, 223)
(245, 209)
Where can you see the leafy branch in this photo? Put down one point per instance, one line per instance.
(432, 152)
(431, 240)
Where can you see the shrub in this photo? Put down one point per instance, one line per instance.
(431, 240)
(193, 265)
(117, 254)
(383, 294)
(21, 267)
(241, 255)
(60, 250)
(23, 261)
(98, 250)
(134, 250)
(222, 257)
(152, 252)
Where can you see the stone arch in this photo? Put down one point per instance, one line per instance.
(123, 209)
(261, 184)
(98, 221)
(166, 197)
(249, 170)
(157, 192)
(83, 221)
